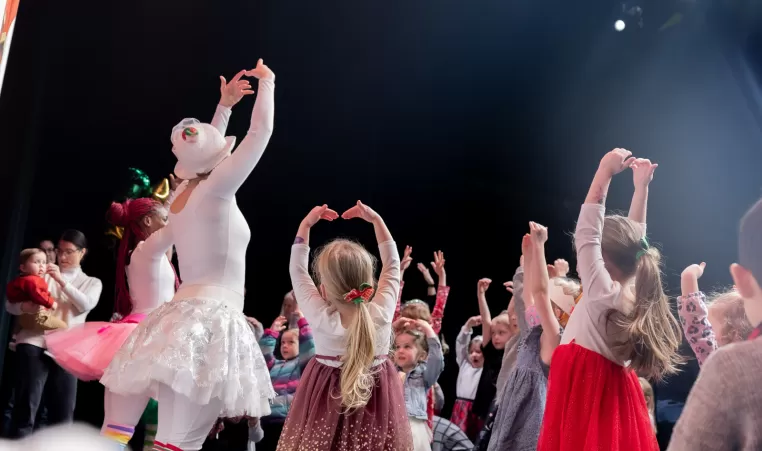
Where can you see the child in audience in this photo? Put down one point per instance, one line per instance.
(418, 355)
(706, 329)
(30, 286)
(648, 392)
(468, 354)
(724, 408)
(297, 348)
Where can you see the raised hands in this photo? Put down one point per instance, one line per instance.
(407, 259)
(562, 267)
(689, 278)
(482, 286)
(426, 274)
(642, 172)
(439, 264)
(318, 213)
(363, 212)
(261, 72)
(539, 233)
(473, 322)
(279, 324)
(232, 93)
(360, 210)
(616, 161)
(508, 286)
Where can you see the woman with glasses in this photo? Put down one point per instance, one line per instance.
(76, 294)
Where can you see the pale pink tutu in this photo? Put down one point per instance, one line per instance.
(87, 349)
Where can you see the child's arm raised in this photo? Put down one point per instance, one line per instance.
(269, 338)
(642, 174)
(481, 290)
(435, 358)
(407, 259)
(464, 339)
(691, 308)
(305, 292)
(443, 292)
(551, 331)
(389, 281)
(306, 342)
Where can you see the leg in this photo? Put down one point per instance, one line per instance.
(183, 424)
(60, 393)
(121, 414)
(30, 384)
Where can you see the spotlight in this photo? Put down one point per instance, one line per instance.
(619, 25)
(631, 14)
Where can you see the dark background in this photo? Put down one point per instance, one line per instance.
(457, 121)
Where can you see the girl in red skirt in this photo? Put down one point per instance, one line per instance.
(350, 396)
(622, 325)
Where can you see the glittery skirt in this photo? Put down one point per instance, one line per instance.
(593, 404)
(200, 348)
(315, 420)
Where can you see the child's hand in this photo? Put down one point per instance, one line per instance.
(439, 264)
(361, 211)
(539, 233)
(616, 161)
(642, 172)
(562, 267)
(508, 286)
(694, 271)
(482, 286)
(424, 327)
(318, 213)
(426, 274)
(400, 324)
(407, 259)
(526, 247)
(279, 324)
(473, 322)
(552, 271)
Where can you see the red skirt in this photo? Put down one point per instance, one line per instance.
(315, 420)
(594, 404)
(464, 418)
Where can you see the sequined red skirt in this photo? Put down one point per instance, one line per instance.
(315, 420)
(593, 404)
(464, 418)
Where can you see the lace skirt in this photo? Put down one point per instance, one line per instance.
(201, 348)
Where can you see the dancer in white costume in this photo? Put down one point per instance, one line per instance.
(198, 350)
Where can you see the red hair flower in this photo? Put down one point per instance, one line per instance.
(359, 296)
(189, 134)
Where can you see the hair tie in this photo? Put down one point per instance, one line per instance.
(644, 246)
(359, 296)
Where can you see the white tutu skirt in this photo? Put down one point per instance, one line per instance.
(202, 349)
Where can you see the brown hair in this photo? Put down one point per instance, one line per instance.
(27, 254)
(416, 309)
(648, 392)
(420, 340)
(653, 333)
(735, 326)
(341, 266)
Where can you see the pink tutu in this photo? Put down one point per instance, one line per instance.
(87, 349)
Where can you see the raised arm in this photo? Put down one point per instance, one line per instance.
(443, 292)
(481, 296)
(306, 343)
(597, 282)
(230, 94)
(551, 330)
(435, 358)
(157, 244)
(269, 339)
(642, 174)
(225, 180)
(464, 339)
(693, 313)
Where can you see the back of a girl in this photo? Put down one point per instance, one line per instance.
(350, 395)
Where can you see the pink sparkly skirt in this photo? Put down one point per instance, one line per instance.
(86, 350)
(315, 419)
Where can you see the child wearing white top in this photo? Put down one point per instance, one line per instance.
(350, 395)
(468, 354)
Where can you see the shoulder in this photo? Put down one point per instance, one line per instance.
(90, 281)
(737, 363)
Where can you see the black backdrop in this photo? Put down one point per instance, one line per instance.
(458, 121)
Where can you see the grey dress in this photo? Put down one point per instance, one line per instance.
(522, 403)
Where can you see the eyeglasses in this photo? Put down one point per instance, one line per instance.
(67, 252)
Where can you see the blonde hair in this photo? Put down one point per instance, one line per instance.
(735, 325)
(341, 266)
(653, 333)
(503, 319)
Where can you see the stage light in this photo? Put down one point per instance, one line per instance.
(619, 25)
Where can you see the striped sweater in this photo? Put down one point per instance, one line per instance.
(285, 374)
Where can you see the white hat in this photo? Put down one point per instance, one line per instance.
(199, 148)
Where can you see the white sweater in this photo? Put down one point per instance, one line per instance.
(75, 300)
(210, 233)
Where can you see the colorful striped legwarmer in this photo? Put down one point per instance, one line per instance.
(151, 420)
(118, 433)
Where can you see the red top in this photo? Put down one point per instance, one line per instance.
(29, 288)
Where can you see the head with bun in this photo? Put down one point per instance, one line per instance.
(139, 218)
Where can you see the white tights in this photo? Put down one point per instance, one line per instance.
(183, 423)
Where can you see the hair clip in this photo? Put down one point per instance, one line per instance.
(644, 246)
(413, 302)
(190, 134)
(359, 296)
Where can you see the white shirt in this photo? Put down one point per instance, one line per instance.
(150, 275)
(468, 375)
(588, 325)
(327, 331)
(210, 233)
(75, 300)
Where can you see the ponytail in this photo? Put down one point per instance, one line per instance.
(357, 379)
(653, 333)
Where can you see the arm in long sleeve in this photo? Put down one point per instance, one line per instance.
(596, 280)
(157, 244)
(461, 345)
(306, 343)
(306, 293)
(437, 315)
(434, 363)
(711, 416)
(389, 280)
(267, 345)
(398, 308)
(221, 119)
(692, 310)
(33, 289)
(234, 170)
(518, 299)
(439, 398)
(486, 317)
(85, 300)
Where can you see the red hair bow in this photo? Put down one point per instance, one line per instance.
(359, 296)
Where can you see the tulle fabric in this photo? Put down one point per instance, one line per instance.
(593, 404)
(87, 349)
(202, 349)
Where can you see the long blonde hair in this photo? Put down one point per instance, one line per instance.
(736, 325)
(653, 332)
(341, 266)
